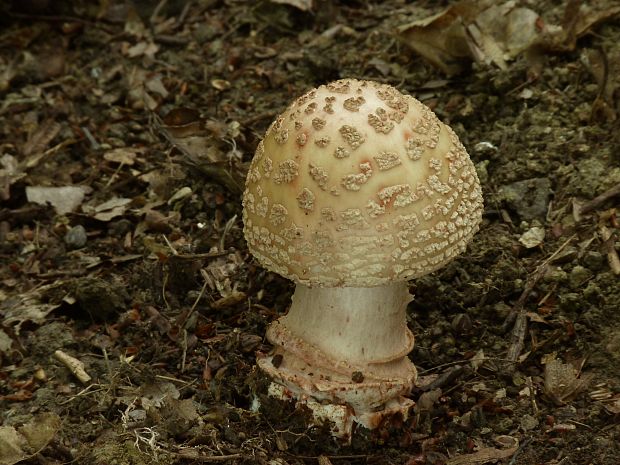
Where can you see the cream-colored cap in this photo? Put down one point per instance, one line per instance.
(356, 184)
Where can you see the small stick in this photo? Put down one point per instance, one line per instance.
(201, 294)
(74, 365)
(208, 458)
(530, 385)
(520, 326)
(612, 254)
(445, 378)
(599, 200)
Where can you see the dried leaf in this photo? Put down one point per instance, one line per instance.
(220, 84)
(185, 129)
(485, 455)
(156, 86)
(64, 199)
(479, 31)
(562, 381)
(605, 68)
(26, 441)
(228, 301)
(154, 395)
(124, 155)
(513, 28)
(427, 400)
(533, 316)
(477, 360)
(5, 342)
(442, 39)
(41, 137)
(10, 173)
(108, 210)
(303, 5)
(533, 237)
(589, 18)
(578, 20)
(26, 307)
(182, 122)
(148, 49)
(137, 93)
(613, 405)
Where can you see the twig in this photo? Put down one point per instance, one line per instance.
(530, 385)
(518, 311)
(170, 246)
(176, 380)
(91, 139)
(74, 365)
(183, 15)
(332, 457)
(227, 228)
(522, 447)
(83, 392)
(184, 356)
(612, 254)
(64, 19)
(157, 10)
(446, 377)
(207, 458)
(599, 200)
(199, 256)
(181, 323)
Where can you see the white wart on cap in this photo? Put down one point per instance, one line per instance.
(356, 184)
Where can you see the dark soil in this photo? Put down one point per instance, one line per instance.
(152, 113)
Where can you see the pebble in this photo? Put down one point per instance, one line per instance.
(462, 323)
(594, 260)
(578, 276)
(528, 422)
(76, 237)
(529, 198)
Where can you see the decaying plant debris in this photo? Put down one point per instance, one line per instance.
(131, 312)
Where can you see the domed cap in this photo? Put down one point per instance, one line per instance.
(356, 184)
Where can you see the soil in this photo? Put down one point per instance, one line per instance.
(150, 113)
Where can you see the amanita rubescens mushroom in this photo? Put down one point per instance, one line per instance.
(355, 189)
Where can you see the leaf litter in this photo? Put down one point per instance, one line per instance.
(157, 109)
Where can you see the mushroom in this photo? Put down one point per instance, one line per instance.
(354, 190)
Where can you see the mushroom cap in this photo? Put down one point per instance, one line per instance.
(356, 184)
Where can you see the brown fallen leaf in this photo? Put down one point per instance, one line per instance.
(563, 381)
(613, 405)
(24, 442)
(492, 33)
(578, 20)
(442, 38)
(41, 137)
(234, 298)
(604, 66)
(27, 307)
(187, 130)
(486, 454)
(10, 173)
(64, 199)
(303, 5)
(108, 210)
(200, 141)
(481, 31)
(124, 155)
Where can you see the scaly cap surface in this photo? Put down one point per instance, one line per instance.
(356, 184)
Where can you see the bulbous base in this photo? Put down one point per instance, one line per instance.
(337, 392)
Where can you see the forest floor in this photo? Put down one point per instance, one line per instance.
(131, 311)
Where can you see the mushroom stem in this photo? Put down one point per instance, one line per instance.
(362, 325)
(347, 346)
